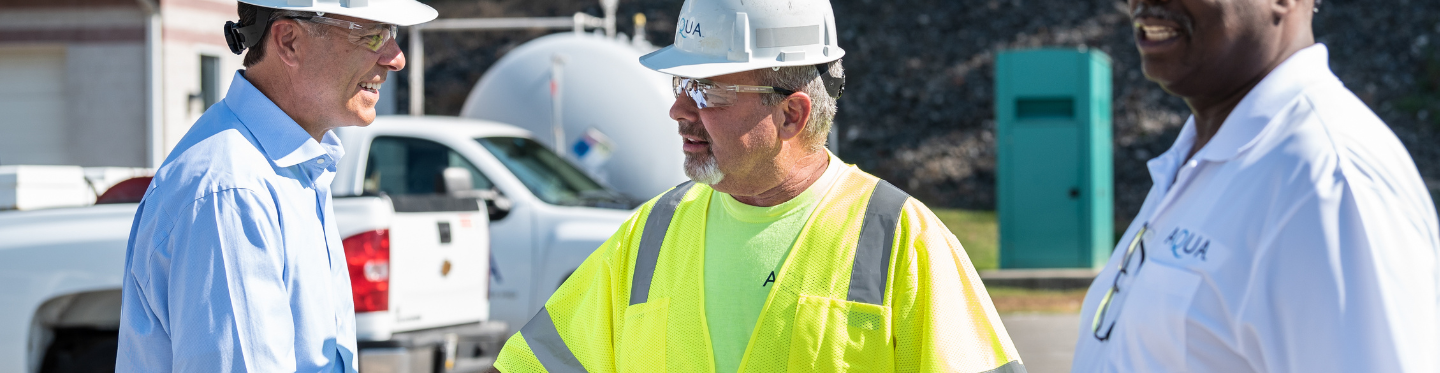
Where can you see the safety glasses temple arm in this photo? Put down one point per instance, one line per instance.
(334, 22)
(759, 89)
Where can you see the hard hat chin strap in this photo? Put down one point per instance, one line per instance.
(240, 38)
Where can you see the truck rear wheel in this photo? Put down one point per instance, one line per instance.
(81, 350)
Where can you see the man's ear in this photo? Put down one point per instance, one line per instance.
(1279, 9)
(284, 38)
(796, 109)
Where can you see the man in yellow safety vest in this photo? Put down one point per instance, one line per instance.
(777, 256)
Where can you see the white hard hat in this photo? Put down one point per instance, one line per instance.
(718, 37)
(395, 12)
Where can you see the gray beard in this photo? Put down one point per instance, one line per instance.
(703, 169)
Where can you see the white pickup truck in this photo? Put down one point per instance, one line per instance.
(413, 197)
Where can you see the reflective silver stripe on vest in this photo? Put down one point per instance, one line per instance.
(545, 342)
(1013, 366)
(655, 226)
(872, 252)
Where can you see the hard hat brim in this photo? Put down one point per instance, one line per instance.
(395, 12)
(673, 61)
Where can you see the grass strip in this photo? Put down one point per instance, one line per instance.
(1020, 300)
(978, 233)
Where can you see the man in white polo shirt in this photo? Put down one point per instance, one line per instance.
(1287, 230)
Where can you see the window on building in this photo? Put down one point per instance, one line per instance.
(209, 80)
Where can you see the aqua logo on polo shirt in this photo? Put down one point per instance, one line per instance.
(1187, 243)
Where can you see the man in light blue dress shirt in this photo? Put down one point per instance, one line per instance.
(234, 262)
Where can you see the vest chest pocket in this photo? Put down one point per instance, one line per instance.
(832, 335)
(642, 341)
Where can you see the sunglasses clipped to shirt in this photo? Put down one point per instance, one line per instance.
(1109, 311)
(708, 93)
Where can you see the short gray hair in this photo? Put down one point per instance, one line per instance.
(248, 14)
(822, 106)
(313, 31)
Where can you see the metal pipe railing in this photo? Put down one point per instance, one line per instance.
(416, 55)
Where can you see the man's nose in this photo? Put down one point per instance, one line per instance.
(391, 56)
(684, 108)
(1134, 4)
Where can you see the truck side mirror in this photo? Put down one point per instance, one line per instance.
(458, 184)
(496, 204)
(457, 181)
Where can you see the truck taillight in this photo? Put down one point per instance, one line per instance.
(368, 255)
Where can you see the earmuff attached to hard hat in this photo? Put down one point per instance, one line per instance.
(834, 86)
(240, 38)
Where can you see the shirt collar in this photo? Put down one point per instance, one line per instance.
(283, 140)
(801, 203)
(1162, 168)
(1273, 94)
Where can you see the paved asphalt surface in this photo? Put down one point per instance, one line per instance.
(1046, 341)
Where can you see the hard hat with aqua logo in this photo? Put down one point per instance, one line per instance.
(718, 37)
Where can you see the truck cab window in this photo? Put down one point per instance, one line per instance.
(550, 177)
(401, 166)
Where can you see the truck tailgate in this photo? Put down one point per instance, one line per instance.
(439, 268)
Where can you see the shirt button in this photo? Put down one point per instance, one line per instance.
(320, 161)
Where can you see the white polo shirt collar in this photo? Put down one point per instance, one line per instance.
(1274, 93)
(1245, 124)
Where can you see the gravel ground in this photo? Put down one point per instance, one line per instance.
(1046, 341)
(918, 108)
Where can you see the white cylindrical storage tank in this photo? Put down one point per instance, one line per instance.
(607, 101)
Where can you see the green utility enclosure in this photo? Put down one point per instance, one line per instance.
(1056, 188)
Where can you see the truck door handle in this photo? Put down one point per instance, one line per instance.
(444, 232)
(1074, 193)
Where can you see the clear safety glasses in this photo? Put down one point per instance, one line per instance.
(708, 94)
(1108, 312)
(372, 36)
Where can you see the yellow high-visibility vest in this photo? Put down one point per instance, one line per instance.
(874, 283)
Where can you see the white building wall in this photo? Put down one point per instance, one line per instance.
(105, 90)
(93, 18)
(93, 75)
(98, 78)
(32, 105)
(192, 28)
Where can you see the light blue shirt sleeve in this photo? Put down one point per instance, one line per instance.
(234, 262)
(219, 274)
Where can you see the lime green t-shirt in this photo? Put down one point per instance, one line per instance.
(744, 248)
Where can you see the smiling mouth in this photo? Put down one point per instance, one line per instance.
(694, 137)
(694, 141)
(1157, 33)
(370, 87)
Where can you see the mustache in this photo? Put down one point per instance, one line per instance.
(1147, 10)
(693, 129)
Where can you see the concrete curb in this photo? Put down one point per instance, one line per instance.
(1047, 279)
